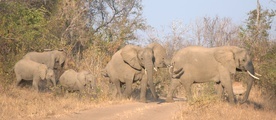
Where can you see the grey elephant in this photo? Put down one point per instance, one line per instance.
(197, 64)
(49, 58)
(76, 81)
(133, 63)
(29, 70)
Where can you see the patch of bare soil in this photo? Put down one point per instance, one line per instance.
(130, 111)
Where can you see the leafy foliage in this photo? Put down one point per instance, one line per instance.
(22, 30)
(255, 35)
(268, 70)
(74, 26)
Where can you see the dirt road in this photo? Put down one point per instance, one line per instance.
(129, 111)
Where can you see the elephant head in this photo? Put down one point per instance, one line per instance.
(235, 58)
(160, 57)
(86, 79)
(42, 70)
(59, 56)
(146, 58)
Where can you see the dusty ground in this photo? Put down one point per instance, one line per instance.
(128, 111)
(179, 110)
(18, 104)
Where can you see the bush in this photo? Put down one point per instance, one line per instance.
(268, 71)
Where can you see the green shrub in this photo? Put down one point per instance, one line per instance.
(268, 72)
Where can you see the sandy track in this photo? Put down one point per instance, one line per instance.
(129, 111)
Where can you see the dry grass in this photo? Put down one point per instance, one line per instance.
(25, 103)
(257, 108)
(224, 111)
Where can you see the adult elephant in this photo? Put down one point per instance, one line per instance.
(48, 58)
(53, 59)
(196, 64)
(133, 63)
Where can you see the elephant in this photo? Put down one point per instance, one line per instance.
(29, 70)
(197, 64)
(76, 81)
(49, 58)
(133, 63)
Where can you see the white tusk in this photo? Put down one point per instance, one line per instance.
(258, 74)
(155, 69)
(170, 69)
(145, 71)
(253, 75)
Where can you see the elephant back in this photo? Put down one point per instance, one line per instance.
(39, 57)
(27, 68)
(68, 79)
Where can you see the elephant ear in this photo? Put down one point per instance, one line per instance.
(227, 59)
(157, 49)
(81, 76)
(130, 55)
(61, 57)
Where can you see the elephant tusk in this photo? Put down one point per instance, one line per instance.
(253, 75)
(258, 74)
(145, 71)
(155, 69)
(170, 69)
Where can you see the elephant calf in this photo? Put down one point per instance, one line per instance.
(29, 70)
(76, 81)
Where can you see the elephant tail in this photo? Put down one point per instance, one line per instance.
(104, 73)
(176, 73)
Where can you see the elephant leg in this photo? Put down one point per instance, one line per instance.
(18, 80)
(112, 88)
(174, 84)
(57, 74)
(187, 86)
(128, 89)
(227, 84)
(54, 82)
(35, 84)
(220, 90)
(118, 87)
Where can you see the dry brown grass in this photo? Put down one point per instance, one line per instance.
(25, 103)
(257, 108)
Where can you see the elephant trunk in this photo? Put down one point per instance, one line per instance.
(250, 68)
(149, 70)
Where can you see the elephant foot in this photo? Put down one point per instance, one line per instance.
(143, 100)
(169, 100)
(242, 101)
(155, 98)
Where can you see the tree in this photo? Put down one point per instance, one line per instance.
(22, 29)
(255, 34)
